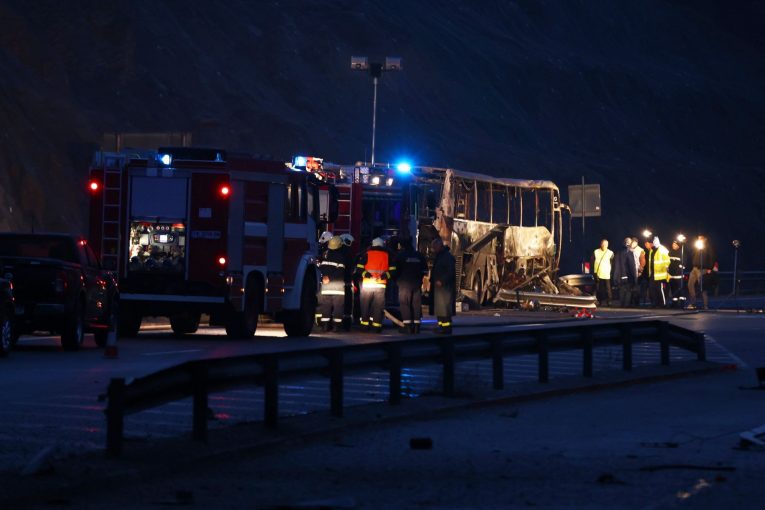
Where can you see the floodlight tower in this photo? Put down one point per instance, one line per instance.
(375, 70)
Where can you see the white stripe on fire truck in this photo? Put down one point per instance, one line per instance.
(171, 297)
(291, 230)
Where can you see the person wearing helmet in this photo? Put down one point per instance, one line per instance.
(324, 239)
(333, 277)
(411, 267)
(349, 297)
(375, 272)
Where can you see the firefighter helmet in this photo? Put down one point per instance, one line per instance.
(335, 243)
(325, 237)
(378, 242)
(347, 239)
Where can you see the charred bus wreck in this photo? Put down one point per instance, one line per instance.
(504, 233)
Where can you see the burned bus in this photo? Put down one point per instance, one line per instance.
(505, 234)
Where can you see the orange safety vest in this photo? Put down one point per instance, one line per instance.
(377, 266)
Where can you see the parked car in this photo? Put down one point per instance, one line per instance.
(58, 286)
(6, 316)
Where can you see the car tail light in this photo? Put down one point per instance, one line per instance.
(94, 186)
(222, 261)
(224, 190)
(60, 284)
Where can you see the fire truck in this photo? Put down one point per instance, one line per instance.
(191, 231)
(505, 234)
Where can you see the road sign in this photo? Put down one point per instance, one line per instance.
(589, 194)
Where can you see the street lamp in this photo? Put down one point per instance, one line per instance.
(699, 245)
(681, 241)
(736, 246)
(647, 233)
(375, 70)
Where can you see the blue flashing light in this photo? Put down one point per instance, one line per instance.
(166, 159)
(300, 162)
(404, 168)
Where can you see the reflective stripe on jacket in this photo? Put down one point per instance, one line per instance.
(659, 259)
(374, 268)
(603, 263)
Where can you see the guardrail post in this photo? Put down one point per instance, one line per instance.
(394, 361)
(447, 351)
(663, 332)
(271, 391)
(626, 331)
(497, 361)
(115, 416)
(587, 346)
(199, 388)
(701, 347)
(336, 383)
(544, 356)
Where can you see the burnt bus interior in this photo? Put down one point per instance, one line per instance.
(503, 233)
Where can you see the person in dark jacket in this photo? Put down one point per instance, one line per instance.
(625, 272)
(443, 286)
(703, 262)
(675, 274)
(334, 274)
(411, 267)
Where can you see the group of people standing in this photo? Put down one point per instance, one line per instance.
(369, 276)
(653, 273)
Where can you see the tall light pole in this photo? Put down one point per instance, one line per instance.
(699, 245)
(681, 240)
(375, 70)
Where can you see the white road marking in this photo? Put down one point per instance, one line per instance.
(741, 363)
(169, 352)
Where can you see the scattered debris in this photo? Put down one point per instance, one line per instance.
(421, 443)
(755, 436)
(661, 444)
(609, 479)
(695, 467)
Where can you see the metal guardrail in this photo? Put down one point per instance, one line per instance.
(198, 378)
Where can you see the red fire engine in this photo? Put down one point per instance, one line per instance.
(192, 231)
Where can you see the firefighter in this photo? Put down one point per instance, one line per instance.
(375, 273)
(443, 290)
(658, 262)
(349, 298)
(675, 271)
(333, 277)
(411, 267)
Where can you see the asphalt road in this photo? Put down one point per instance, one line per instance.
(51, 399)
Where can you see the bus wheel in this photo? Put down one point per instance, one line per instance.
(478, 289)
(185, 323)
(300, 322)
(244, 324)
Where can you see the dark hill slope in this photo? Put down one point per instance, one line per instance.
(660, 102)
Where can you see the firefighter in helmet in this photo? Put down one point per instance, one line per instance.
(410, 268)
(375, 272)
(334, 274)
(324, 239)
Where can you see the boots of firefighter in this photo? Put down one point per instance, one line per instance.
(444, 326)
(326, 325)
(416, 328)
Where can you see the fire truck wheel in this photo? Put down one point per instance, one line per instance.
(244, 324)
(129, 321)
(300, 322)
(184, 323)
(73, 330)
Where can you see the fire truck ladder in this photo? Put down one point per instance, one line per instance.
(342, 224)
(112, 214)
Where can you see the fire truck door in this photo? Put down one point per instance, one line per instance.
(275, 242)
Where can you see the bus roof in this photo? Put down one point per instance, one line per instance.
(518, 183)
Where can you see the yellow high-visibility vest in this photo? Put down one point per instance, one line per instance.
(603, 263)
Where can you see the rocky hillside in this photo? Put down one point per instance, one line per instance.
(661, 102)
